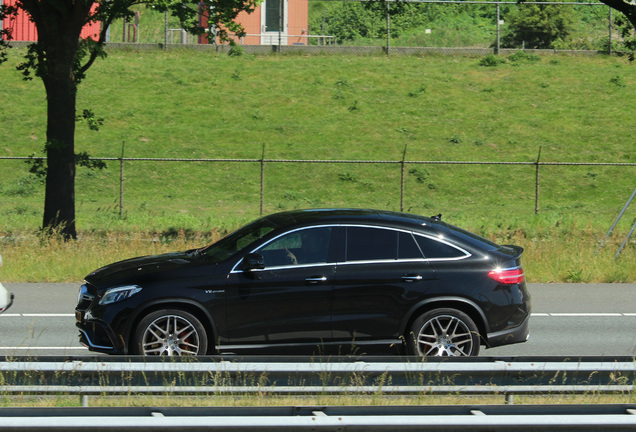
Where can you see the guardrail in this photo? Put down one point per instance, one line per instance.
(224, 375)
(579, 418)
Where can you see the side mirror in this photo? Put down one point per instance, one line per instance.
(253, 261)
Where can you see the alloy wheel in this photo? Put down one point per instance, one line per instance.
(170, 335)
(445, 335)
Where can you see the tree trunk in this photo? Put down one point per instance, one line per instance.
(59, 201)
(59, 24)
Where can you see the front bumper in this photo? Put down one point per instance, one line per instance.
(97, 336)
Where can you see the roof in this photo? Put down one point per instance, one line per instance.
(330, 215)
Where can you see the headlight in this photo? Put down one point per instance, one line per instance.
(113, 295)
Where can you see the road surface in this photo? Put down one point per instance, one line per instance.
(567, 320)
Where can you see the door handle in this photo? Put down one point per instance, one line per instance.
(316, 279)
(412, 278)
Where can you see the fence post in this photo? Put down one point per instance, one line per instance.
(388, 27)
(281, 21)
(498, 44)
(609, 48)
(536, 184)
(121, 180)
(165, 30)
(403, 178)
(262, 178)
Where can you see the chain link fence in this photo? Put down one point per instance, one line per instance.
(397, 26)
(401, 178)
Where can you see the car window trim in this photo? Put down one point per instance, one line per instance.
(447, 243)
(404, 230)
(345, 262)
(234, 270)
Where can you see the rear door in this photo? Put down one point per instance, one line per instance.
(382, 275)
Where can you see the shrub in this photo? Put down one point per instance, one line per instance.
(491, 60)
(522, 56)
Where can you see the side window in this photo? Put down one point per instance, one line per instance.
(370, 244)
(407, 248)
(307, 246)
(435, 249)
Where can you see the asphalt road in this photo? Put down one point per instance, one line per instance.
(568, 320)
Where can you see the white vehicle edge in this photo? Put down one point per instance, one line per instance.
(6, 299)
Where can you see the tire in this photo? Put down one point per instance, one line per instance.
(170, 332)
(443, 332)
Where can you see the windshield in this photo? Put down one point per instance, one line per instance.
(238, 240)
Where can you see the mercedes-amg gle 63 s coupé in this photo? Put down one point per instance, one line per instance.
(314, 280)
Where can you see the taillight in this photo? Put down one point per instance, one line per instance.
(508, 276)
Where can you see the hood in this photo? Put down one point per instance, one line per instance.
(141, 269)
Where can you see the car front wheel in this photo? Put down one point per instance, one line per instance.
(170, 332)
(443, 332)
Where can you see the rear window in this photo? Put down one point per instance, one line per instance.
(371, 244)
(473, 239)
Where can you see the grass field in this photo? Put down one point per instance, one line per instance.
(194, 104)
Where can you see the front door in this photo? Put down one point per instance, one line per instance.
(274, 22)
(287, 302)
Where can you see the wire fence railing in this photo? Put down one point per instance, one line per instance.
(534, 175)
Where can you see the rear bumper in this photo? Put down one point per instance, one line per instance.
(513, 335)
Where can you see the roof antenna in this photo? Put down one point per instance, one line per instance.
(437, 217)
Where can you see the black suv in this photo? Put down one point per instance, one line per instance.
(313, 280)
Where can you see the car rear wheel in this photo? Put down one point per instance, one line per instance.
(443, 332)
(170, 332)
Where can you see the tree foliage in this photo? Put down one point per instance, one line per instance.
(350, 21)
(537, 26)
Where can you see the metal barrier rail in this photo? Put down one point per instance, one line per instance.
(580, 418)
(221, 375)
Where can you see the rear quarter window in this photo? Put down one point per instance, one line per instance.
(436, 249)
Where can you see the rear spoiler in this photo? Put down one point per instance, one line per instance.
(513, 250)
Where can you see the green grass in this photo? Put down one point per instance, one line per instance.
(196, 104)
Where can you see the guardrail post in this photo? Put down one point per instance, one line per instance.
(84, 400)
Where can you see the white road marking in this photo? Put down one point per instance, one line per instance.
(37, 315)
(583, 314)
(534, 314)
(29, 348)
(81, 348)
